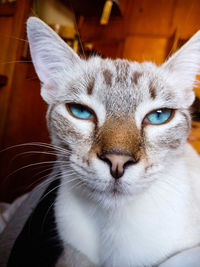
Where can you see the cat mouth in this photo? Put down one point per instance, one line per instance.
(113, 188)
(116, 188)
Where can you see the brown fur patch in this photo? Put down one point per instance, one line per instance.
(172, 144)
(90, 85)
(117, 64)
(169, 96)
(108, 77)
(175, 144)
(118, 135)
(135, 77)
(152, 90)
(173, 137)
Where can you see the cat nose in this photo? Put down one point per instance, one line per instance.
(117, 162)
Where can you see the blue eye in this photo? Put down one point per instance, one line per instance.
(80, 111)
(159, 116)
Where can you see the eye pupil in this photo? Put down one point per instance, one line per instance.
(159, 113)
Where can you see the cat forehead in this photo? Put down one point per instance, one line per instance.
(121, 84)
(120, 71)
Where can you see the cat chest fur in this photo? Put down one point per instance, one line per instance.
(144, 232)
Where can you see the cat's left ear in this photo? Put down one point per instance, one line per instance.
(53, 59)
(183, 66)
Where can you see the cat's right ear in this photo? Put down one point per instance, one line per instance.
(51, 56)
(183, 66)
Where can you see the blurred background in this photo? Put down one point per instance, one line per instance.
(132, 29)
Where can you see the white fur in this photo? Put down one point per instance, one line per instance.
(188, 258)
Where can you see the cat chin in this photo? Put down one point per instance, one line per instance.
(114, 195)
(113, 200)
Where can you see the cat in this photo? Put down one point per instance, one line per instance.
(129, 193)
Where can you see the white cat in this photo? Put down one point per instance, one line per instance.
(132, 197)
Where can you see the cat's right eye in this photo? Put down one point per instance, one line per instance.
(159, 116)
(80, 111)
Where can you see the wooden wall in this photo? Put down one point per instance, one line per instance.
(21, 107)
(145, 28)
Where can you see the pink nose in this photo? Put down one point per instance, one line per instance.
(117, 162)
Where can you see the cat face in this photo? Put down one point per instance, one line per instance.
(121, 122)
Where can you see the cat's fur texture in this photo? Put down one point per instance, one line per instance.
(153, 211)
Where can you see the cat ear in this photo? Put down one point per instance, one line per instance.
(184, 66)
(51, 56)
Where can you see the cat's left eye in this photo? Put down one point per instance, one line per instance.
(159, 116)
(80, 111)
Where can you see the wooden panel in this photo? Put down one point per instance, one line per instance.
(151, 17)
(12, 28)
(163, 17)
(187, 17)
(140, 48)
(26, 115)
(6, 29)
(109, 49)
(25, 122)
(6, 25)
(91, 30)
(7, 9)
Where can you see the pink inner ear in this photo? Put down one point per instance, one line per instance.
(50, 87)
(48, 93)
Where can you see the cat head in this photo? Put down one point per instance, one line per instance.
(121, 123)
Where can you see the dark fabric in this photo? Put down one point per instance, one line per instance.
(38, 244)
